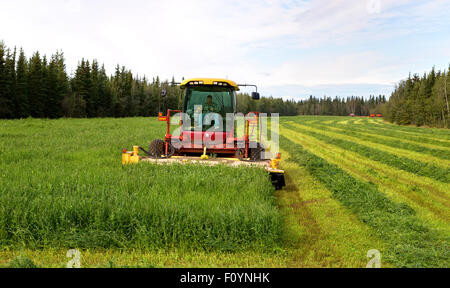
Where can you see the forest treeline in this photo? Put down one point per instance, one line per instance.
(421, 100)
(325, 106)
(40, 87)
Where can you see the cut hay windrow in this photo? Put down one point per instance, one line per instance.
(345, 122)
(307, 207)
(417, 167)
(392, 135)
(427, 135)
(418, 139)
(427, 159)
(380, 139)
(431, 201)
(437, 133)
(410, 242)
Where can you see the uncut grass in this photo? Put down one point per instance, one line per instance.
(62, 185)
(416, 167)
(380, 139)
(410, 242)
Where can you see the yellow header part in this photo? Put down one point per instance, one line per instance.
(209, 81)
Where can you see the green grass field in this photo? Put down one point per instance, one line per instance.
(354, 184)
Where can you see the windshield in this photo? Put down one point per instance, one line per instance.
(200, 101)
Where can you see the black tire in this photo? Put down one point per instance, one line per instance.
(255, 153)
(171, 151)
(240, 154)
(278, 181)
(156, 148)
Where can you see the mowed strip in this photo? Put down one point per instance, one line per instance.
(431, 202)
(345, 122)
(392, 142)
(325, 130)
(142, 258)
(377, 122)
(410, 242)
(375, 152)
(421, 139)
(393, 135)
(312, 239)
(436, 133)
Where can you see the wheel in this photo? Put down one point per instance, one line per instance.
(255, 153)
(157, 148)
(278, 180)
(171, 150)
(240, 153)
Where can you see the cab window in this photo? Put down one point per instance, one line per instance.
(201, 100)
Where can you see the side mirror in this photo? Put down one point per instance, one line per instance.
(255, 96)
(163, 93)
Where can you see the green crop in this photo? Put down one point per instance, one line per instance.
(62, 185)
(353, 184)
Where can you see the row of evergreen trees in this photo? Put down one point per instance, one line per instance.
(359, 106)
(325, 106)
(31, 87)
(40, 87)
(421, 100)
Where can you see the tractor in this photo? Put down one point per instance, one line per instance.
(207, 131)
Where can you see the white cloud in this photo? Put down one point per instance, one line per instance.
(333, 69)
(272, 43)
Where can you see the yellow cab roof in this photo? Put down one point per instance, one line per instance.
(210, 81)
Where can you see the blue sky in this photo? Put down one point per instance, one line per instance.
(290, 49)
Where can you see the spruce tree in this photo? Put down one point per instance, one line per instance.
(21, 95)
(93, 100)
(62, 88)
(104, 90)
(35, 97)
(45, 99)
(10, 82)
(4, 105)
(52, 106)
